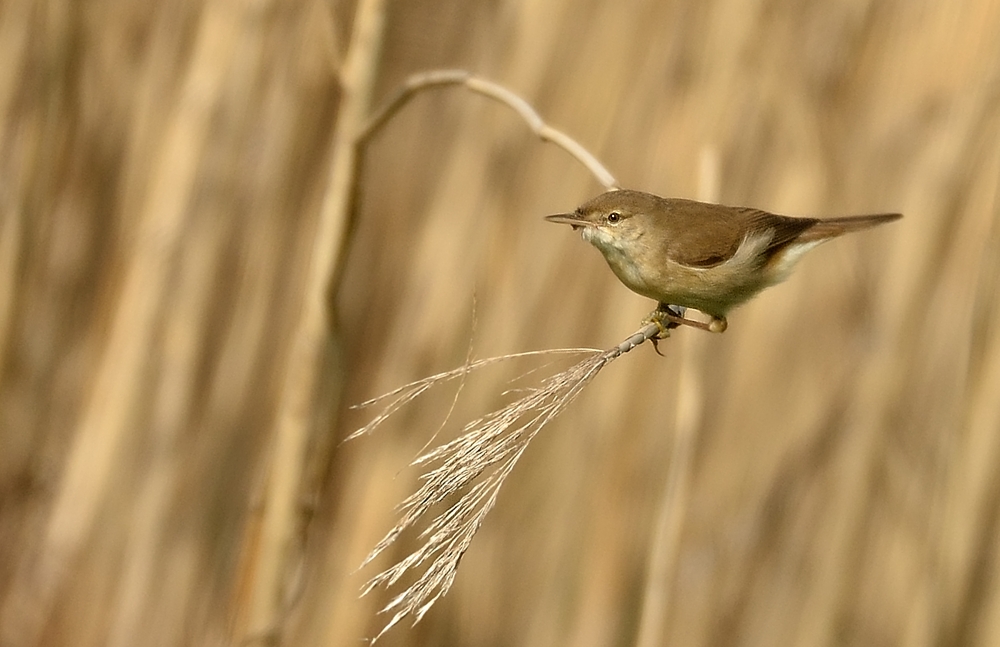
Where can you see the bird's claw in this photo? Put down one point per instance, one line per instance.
(667, 317)
(658, 317)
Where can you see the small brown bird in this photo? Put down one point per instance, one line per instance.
(698, 255)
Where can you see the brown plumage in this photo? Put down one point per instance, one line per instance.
(699, 255)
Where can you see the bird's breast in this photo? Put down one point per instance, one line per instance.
(648, 270)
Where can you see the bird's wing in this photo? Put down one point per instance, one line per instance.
(707, 235)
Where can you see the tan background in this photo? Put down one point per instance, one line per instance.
(161, 171)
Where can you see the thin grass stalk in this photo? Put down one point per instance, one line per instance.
(281, 521)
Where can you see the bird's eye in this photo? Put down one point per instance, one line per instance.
(614, 217)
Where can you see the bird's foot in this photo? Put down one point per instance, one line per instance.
(667, 317)
(664, 318)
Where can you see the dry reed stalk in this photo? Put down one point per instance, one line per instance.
(182, 344)
(11, 225)
(107, 415)
(437, 78)
(282, 499)
(664, 550)
(13, 33)
(475, 465)
(856, 466)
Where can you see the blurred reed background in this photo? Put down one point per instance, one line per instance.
(163, 170)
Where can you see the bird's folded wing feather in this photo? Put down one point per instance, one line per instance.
(707, 235)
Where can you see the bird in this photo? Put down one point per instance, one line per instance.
(689, 254)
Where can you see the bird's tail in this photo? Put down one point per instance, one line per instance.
(833, 227)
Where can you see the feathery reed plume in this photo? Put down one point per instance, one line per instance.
(476, 464)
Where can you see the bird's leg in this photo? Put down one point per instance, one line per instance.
(674, 316)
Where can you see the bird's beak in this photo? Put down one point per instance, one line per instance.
(572, 219)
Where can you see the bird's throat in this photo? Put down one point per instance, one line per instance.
(621, 257)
